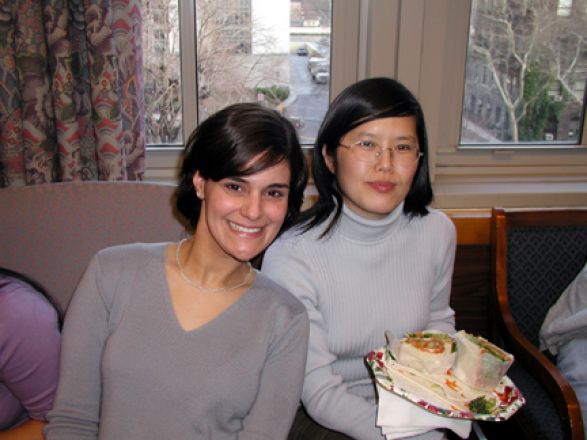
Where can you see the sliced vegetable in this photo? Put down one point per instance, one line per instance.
(482, 405)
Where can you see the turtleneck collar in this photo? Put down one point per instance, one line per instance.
(355, 227)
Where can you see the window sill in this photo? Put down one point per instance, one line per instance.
(454, 191)
(487, 194)
(162, 164)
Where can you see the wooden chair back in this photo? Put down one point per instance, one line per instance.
(536, 254)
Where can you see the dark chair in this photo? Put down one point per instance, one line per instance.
(536, 254)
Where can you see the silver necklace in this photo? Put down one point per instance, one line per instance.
(208, 289)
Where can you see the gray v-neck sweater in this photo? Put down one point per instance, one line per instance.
(130, 372)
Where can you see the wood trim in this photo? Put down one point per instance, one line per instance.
(544, 217)
(473, 225)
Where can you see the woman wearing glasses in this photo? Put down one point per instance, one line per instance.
(369, 256)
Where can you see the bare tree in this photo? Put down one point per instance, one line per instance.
(161, 71)
(512, 36)
(566, 51)
(227, 69)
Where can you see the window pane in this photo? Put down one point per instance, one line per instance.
(526, 72)
(161, 72)
(276, 52)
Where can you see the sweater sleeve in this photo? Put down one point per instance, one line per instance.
(281, 381)
(325, 396)
(29, 350)
(77, 404)
(441, 314)
(567, 318)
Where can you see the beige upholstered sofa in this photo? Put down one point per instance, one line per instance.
(50, 232)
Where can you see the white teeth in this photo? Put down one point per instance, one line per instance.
(244, 229)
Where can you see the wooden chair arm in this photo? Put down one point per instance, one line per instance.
(539, 366)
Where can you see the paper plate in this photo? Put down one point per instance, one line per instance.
(444, 394)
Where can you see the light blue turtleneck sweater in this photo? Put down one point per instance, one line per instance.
(365, 277)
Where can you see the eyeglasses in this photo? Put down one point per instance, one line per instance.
(368, 151)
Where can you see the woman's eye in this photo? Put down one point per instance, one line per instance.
(231, 186)
(404, 148)
(366, 145)
(275, 193)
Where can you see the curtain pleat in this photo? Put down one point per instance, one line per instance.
(71, 91)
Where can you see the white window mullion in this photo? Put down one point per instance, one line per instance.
(188, 66)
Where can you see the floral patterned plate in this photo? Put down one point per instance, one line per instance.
(444, 394)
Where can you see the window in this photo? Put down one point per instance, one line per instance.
(276, 52)
(424, 44)
(535, 57)
(162, 159)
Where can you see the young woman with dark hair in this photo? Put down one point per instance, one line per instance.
(370, 255)
(30, 341)
(366, 101)
(185, 340)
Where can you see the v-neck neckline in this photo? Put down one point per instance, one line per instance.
(223, 315)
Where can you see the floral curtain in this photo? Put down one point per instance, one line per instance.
(71, 91)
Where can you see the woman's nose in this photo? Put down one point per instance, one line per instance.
(252, 206)
(385, 159)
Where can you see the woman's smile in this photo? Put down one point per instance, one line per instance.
(249, 230)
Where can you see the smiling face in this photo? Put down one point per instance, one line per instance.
(374, 189)
(242, 215)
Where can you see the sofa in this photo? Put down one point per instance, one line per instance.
(49, 232)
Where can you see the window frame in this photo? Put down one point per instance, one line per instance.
(162, 162)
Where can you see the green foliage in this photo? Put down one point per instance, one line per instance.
(543, 112)
(274, 93)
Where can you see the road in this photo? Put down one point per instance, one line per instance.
(311, 100)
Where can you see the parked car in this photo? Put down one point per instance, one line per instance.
(314, 61)
(320, 72)
(321, 77)
(302, 51)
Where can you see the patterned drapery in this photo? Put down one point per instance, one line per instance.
(71, 91)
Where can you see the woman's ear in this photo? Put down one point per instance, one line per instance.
(328, 160)
(199, 185)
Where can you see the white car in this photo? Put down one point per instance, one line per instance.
(315, 61)
(321, 77)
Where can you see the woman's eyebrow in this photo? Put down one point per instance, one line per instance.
(279, 185)
(237, 178)
(366, 133)
(406, 138)
(243, 179)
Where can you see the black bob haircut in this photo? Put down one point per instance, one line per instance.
(225, 144)
(361, 102)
